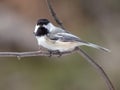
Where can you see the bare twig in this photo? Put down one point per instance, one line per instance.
(83, 53)
(54, 14)
(98, 67)
(33, 53)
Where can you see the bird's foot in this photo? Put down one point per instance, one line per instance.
(53, 52)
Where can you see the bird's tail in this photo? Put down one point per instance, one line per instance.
(97, 47)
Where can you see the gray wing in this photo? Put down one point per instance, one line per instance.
(65, 37)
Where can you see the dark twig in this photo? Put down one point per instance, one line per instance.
(98, 67)
(83, 53)
(54, 14)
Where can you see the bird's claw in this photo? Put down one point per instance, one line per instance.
(55, 52)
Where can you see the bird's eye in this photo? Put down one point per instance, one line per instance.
(42, 31)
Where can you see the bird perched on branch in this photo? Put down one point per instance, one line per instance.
(56, 39)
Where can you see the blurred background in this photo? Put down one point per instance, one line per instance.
(96, 21)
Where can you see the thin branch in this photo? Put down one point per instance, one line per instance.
(83, 53)
(97, 67)
(33, 53)
(54, 14)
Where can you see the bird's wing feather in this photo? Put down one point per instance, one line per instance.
(65, 37)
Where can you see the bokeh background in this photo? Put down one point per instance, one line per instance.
(95, 21)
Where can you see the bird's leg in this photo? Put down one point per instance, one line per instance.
(52, 52)
(59, 53)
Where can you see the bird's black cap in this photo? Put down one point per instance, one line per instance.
(42, 22)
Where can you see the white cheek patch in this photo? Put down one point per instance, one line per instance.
(36, 28)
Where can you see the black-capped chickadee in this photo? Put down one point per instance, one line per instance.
(57, 39)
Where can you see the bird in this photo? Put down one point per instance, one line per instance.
(56, 39)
